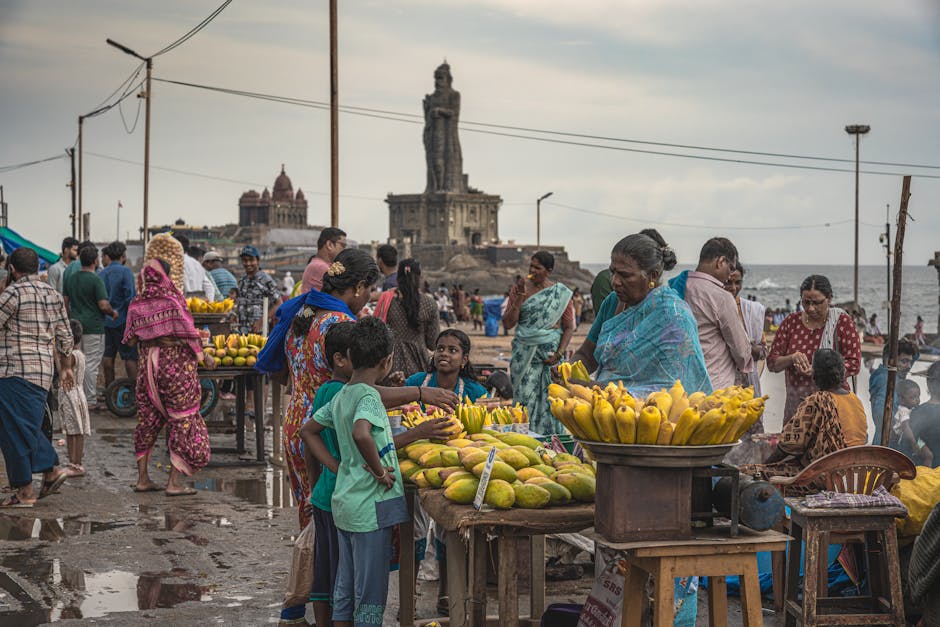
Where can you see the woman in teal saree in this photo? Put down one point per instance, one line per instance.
(545, 317)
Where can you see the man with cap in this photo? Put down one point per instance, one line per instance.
(253, 288)
(225, 280)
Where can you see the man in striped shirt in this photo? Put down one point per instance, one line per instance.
(33, 326)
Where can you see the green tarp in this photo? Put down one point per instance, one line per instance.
(11, 240)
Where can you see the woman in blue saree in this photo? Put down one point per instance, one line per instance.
(544, 314)
(644, 334)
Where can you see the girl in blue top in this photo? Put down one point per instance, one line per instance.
(450, 367)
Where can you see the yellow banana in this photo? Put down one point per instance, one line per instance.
(564, 369)
(604, 419)
(558, 391)
(581, 392)
(625, 418)
(579, 371)
(584, 419)
(647, 425)
(712, 422)
(665, 433)
(686, 424)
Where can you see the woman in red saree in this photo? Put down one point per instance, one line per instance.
(168, 391)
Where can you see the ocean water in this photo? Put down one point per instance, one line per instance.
(773, 285)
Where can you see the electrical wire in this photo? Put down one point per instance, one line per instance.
(193, 31)
(709, 227)
(17, 166)
(416, 119)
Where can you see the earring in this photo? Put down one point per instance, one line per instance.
(652, 284)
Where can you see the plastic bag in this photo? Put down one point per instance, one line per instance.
(300, 580)
(919, 496)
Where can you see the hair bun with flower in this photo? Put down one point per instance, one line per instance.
(336, 269)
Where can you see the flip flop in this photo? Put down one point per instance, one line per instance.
(184, 492)
(152, 488)
(14, 502)
(51, 487)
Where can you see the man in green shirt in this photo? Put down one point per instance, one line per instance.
(86, 300)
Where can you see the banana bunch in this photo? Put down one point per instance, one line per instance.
(199, 305)
(472, 417)
(577, 370)
(667, 417)
(413, 417)
(517, 414)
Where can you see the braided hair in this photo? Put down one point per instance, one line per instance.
(409, 283)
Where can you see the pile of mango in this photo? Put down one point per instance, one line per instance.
(236, 350)
(199, 305)
(524, 474)
(667, 417)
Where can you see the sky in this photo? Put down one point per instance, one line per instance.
(781, 78)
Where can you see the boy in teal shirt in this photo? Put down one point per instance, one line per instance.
(368, 500)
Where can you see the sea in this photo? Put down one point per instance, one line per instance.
(773, 285)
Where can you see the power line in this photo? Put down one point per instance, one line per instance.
(712, 227)
(16, 166)
(193, 31)
(416, 119)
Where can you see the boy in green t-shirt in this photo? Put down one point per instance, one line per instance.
(368, 500)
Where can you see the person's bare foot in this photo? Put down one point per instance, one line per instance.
(148, 486)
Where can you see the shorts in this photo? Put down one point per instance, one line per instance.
(114, 344)
(325, 556)
(362, 576)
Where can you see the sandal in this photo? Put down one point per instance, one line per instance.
(74, 470)
(52, 487)
(14, 502)
(183, 492)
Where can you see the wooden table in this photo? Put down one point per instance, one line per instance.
(711, 552)
(467, 560)
(241, 376)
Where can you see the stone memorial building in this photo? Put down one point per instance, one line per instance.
(277, 208)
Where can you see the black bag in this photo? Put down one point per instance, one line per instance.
(561, 615)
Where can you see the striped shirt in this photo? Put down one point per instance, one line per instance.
(32, 322)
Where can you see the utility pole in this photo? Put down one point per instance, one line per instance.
(858, 130)
(146, 94)
(886, 242)
(894, 332)
(334, 121)
(81, 123)
(538, 219)
(71, 153)
(3, 209)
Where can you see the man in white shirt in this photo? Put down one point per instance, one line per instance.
(195, 280)
(56, 270)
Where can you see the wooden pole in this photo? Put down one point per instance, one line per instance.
(334, 121)
(71, 152)
(895, 313)
(146, 226)
(935, 262)
(81, 153)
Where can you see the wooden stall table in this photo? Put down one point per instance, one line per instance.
(711, 552)
(241, 376)
(467, 565)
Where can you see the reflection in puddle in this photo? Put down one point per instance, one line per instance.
(272, 489)
(75, 593)
(17, 528)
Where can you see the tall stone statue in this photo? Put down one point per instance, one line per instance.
(441, 144)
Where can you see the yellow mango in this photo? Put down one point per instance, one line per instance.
(582, 487)
(560, 495)
(529, 496)
(463, 491)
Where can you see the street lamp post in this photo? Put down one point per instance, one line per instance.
(858, 130)
(146, 95)
(538, 219)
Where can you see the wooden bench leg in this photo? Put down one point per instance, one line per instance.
(634, 591)
(508, 592)
(406, 573)
(536, 577)
(456, 578)
(823, 581)
(751, 609)
(664, 594)
(778, 561)
(894, 574)
(793, 572)
(811, 574)
(479, 560)
(717, 601)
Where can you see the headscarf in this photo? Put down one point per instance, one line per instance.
(271, 359)
(159, 310)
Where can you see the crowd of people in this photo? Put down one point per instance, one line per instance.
(357, 335)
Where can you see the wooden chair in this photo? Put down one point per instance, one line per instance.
(855, 470)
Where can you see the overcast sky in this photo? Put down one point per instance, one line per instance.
(768, 77)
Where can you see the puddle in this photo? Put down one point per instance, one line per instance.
(18, 528)
(70, 592)
(272, 489)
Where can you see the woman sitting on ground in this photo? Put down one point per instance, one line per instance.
(825, 422)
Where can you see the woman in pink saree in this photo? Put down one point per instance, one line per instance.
(168, 391)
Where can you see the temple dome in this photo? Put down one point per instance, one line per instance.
(283, 189)
(266, 195)
(300, 194)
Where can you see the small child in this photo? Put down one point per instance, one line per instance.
(902, 438)
(368, 500)
(73, 408)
